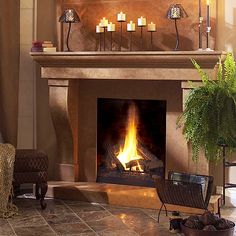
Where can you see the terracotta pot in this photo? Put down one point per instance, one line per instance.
(196, 232)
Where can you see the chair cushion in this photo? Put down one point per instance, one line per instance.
(30, 160)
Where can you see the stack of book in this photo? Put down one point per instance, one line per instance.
(48, 47)
(37, 46)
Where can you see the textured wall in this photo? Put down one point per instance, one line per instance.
(83, 36)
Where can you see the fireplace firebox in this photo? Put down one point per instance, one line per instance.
(131, 141)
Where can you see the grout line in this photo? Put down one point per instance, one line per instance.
(12, 227)
(80, 218)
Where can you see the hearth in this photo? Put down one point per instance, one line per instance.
(131, 141)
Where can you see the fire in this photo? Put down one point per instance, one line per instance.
(129, 151)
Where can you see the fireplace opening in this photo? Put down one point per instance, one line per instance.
(131, 141)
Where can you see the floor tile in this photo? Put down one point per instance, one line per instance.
(35, 231)
(72, 229)
(61, 218)
(27, 221)
(5, 228)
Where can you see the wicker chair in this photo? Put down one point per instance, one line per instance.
(184, 190)
(31, 167)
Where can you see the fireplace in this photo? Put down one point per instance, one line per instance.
(77, 80)
(131, 140)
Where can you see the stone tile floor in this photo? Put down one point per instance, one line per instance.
(72, 218)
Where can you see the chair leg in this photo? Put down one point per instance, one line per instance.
(44, 188)
(158, 219)
(37, 195)
(165, 209)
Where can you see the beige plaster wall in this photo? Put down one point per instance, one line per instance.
(46, 139)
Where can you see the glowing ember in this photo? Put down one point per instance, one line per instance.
(129, 151)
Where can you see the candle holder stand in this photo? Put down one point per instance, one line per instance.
(100, 41)
(208, 31)
(200, 33)
(131, 40)
(111, 41)
(151, 38)
(104, 38)
(141, 30)
(121, 29)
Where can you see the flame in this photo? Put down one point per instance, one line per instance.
(129, 151)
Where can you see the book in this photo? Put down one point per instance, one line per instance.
(51, 49)
(47, 45)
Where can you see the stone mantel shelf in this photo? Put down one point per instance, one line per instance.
(144, 65)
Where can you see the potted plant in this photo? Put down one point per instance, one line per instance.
(209, 117)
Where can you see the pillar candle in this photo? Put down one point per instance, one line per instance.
(99, 29)
(111, 27)
(104, 22)
(121, 16)
(208, 14)
(142, 21)
(152, 27)
(131, 26)
(200, 8)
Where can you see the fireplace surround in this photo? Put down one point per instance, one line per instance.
(137, 75)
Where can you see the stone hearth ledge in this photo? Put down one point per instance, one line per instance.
(63, 70)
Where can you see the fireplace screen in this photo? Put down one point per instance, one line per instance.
(130, 141)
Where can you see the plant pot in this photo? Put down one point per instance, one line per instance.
(196, 232)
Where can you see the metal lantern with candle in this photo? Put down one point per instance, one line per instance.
(111, 28)
(176, 12)
(131, 29)
(151, 29)
(121, 17)
(100, 30)
(142, 22)
(69, 16)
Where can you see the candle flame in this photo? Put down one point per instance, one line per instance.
(208, 2)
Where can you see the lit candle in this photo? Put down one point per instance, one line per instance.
(99, 29)
(111, 27)
(131, 26)
(151, 27)
(121, 16)
(208, 13)
(104, 22)
(142, 21)
(200, 8)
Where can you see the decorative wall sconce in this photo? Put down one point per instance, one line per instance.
(69, 16)
(176, 12)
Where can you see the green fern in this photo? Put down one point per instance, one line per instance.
(210, 112)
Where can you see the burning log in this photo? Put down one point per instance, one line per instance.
(135, 163)
(112, 160)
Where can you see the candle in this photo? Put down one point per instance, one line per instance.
(151, 27)
(111, 27)
(121, 16)
(142, 21)
(200, 8)
(208, 13)
(131, 26)
(99, 29)
(104, 22)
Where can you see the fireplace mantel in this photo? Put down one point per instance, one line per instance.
(63, 70)
(145, 65)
